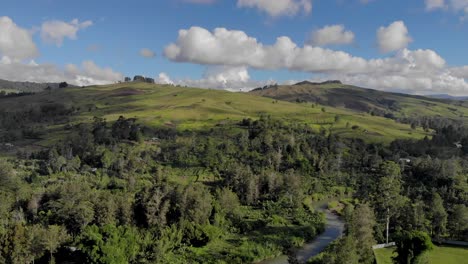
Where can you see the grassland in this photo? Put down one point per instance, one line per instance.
(8, 91)
(367, 100)
(439, 255)
(192, 108)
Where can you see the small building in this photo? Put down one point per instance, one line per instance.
(458, 145)
(405, 160)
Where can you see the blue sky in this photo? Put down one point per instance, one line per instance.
(110, 35)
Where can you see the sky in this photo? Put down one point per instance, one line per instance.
(411, 46)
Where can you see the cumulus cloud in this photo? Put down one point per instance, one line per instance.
(56, 31)
(331, 35)
(15, 42)
(435, 4)
(147, 53)
(457, 6)
(16, 46)
(278, 8)
(394, 37)
(460, 72)
(89, 73)
(219, 77)
(414, 70)
(163, 78)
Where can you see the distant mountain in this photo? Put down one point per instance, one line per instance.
(28, 87)
(392, 105)
(447, 96)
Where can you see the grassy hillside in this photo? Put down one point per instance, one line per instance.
(367, 100)
(439, 255)
(191, 108)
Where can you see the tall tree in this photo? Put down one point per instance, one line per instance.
(438, 217)
(362, 229)
(53, 237)
(459, 221)
(387, 198)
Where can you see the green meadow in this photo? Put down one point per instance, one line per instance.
(439, 255)
(192, 108)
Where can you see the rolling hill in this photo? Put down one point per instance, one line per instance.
(185, 108)
(25, 87)
(393, 105)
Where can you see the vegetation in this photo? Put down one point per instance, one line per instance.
(153, 174)
(411, 109)
(439, 255)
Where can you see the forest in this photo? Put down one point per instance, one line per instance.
(237, 192)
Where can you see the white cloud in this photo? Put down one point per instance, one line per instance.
(98, 75)
(278, 8)
(16, 45)
(89, 73)
(413, 70)
(163, 78)
(460, 72)
(219, 77)
(394, 37)
(331, 35)
(435, 4)
(457, 6)
(56, 31)
(147, 53)
(15, 42)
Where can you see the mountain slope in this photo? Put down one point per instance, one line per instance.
(26, 87)
(176, 107)
(380, 103)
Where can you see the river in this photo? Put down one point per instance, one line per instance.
(333, 229)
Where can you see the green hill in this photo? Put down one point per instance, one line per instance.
(180, 108)
(394, 105)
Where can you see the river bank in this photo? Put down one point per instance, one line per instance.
(333, 229)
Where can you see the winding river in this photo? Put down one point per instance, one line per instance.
(334, 229)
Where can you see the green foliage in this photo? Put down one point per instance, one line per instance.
(438, 217)
(439, 255)
(109, 244)
(411, 247)
(213, 184)
(361, 228)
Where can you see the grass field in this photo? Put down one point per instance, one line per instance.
(367, 100)
(439, 255)
(192, 108)
(8, 90)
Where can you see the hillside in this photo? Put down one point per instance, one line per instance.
(394, 105)
(25, 87)
(180, 108)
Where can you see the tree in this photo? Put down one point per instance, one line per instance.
(386, 198)
(53, 237)
(459, 221)
(411, 246)
(438, 217)
(152, 207)
(110, 244)
(362, 230)
(71, 206)
(63, 85)
(16, 245)
(196, 204)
